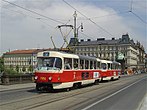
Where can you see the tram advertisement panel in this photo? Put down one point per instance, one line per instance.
(96, 75)
(85, 75)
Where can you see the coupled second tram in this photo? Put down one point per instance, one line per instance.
(58, 70)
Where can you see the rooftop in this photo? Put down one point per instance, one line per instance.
(32, 51)
(102, 41)
(28, 51)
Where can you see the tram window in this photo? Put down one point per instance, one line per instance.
(109, 66)
(86, 64)
(98, 65)
(94, 64)
(40, 62)
(113, 66)
(75, 63)
(67, 63)
(91, 65)
(103, 66)
(116, 66)
(50, 63)
(58, 63)
(81, 64)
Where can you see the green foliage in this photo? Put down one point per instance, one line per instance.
(10, 72)
(11, 67)
(23, 68)
(17, 68)
(30, 68)
(1, 64)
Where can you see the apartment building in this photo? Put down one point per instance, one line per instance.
(23, 60)
(123, 50)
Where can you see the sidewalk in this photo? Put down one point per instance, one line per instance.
(16, 86)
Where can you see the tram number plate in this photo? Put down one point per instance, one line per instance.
(42, 78)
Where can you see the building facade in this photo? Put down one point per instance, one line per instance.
(21, 60)
(123, 50)
(24, 61)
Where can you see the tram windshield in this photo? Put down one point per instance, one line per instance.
(51, 63)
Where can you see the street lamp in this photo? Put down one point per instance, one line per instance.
(75, 16)
(81, 26)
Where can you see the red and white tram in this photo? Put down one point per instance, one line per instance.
(57, 70)
(110, 70)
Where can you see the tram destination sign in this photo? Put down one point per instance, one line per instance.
(46, 54)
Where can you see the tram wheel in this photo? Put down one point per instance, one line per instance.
(96, 82)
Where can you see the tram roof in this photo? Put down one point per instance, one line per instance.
(58, 54)
(68, 55)
(106, 61)
(87, 57)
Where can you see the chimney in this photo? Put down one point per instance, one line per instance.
(113, 38)
(88, 39)
(98, 39)
(82, 40)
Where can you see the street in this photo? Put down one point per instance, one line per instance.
(126, 93)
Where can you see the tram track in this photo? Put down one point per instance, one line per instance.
(44, 99)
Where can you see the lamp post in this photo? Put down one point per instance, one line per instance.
(81, 26)
(75, 18)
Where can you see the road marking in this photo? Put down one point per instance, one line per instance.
(86, 108)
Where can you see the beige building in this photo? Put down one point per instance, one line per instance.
(24, 60)
(123, 50)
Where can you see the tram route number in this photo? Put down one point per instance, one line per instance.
(42, 78)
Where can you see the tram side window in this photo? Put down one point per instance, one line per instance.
(98, 65)
(67, 63)
(104, 66)
(95, 64)
(113, 66)
(91, 64)
(109, 66)
(81, 64)
(75, 63)
(86, 64)
(117, 66)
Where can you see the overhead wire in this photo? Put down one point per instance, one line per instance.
(110, 14)
(37, 18)
(88, 18)
(132, 11)
(33, 11)
(138, 17)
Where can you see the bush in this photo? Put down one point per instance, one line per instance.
(11, 72)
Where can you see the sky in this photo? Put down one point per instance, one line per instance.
(21, 28)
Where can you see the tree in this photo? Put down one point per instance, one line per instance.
(17, 68)
(11, 67)
(30, 68)
(1, 64)
(23, 68)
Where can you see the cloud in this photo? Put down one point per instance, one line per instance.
(22, 29)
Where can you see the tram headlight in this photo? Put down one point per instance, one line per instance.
(36, 77)
(49, 78)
